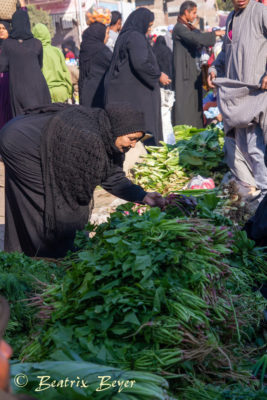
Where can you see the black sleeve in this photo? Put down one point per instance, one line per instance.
(193, 38)
(118, 185)
(140, 57)
(4, 64)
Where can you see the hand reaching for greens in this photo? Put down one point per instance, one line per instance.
(154, 199)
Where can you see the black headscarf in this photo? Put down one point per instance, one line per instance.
(78, 153)
(7, 26)
(21, 27)
(138, 20)
(92, 41)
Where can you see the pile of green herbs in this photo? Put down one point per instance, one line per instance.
(170, 167)
(21, 277)
(152, 292)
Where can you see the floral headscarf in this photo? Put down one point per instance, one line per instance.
(98, 14)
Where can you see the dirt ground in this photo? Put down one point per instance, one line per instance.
(104, 204)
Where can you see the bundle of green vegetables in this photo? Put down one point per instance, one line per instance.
(21, 277)
(170, 167)
(155, 293)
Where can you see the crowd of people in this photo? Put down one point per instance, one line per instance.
(56, 152)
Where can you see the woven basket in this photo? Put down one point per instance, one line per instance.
(7, 9)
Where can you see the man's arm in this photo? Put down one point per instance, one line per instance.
(194, 38)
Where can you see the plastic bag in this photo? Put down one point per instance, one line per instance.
(198, 182)
(167, 101)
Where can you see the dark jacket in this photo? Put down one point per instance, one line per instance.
(188, 80)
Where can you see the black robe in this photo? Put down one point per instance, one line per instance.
(23, 60)
(135, 79)
(95, 59)
(91, 82)
(20, 141)
(164, 58)
(188, 79)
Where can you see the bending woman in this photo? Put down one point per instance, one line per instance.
(54, 159)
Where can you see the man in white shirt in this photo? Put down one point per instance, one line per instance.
(114, 29)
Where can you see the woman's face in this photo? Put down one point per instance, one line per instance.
(149, 28)
(107, 35)
(126, 142)
(3, 32)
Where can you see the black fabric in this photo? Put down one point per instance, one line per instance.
(47, 108)
(256, 227)
(27, 85)
(21, 27)
(134, 122)
(92, 41)
(26, 190)
(95, 58)
(164, 58)
(138, 21)
(188, 80)
(134, 72)
(78, 153)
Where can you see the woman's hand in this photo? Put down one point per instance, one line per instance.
(154, 199)
(164, 79)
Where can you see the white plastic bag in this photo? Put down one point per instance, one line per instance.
(167, 101)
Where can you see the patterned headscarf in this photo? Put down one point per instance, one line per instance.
(98, 14)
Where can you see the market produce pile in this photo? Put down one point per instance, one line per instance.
(168, 298)
(170, 167)
(151, 292)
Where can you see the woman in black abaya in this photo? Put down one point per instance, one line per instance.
(54, 158)
(95, 59)
(22, 56)
(134, 74)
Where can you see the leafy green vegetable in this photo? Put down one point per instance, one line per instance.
(154, 293)
(22, 277)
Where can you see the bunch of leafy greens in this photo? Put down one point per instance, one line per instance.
(154, 293)
(22, 277)
(169, 167)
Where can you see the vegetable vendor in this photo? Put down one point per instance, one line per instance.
(54, 158)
